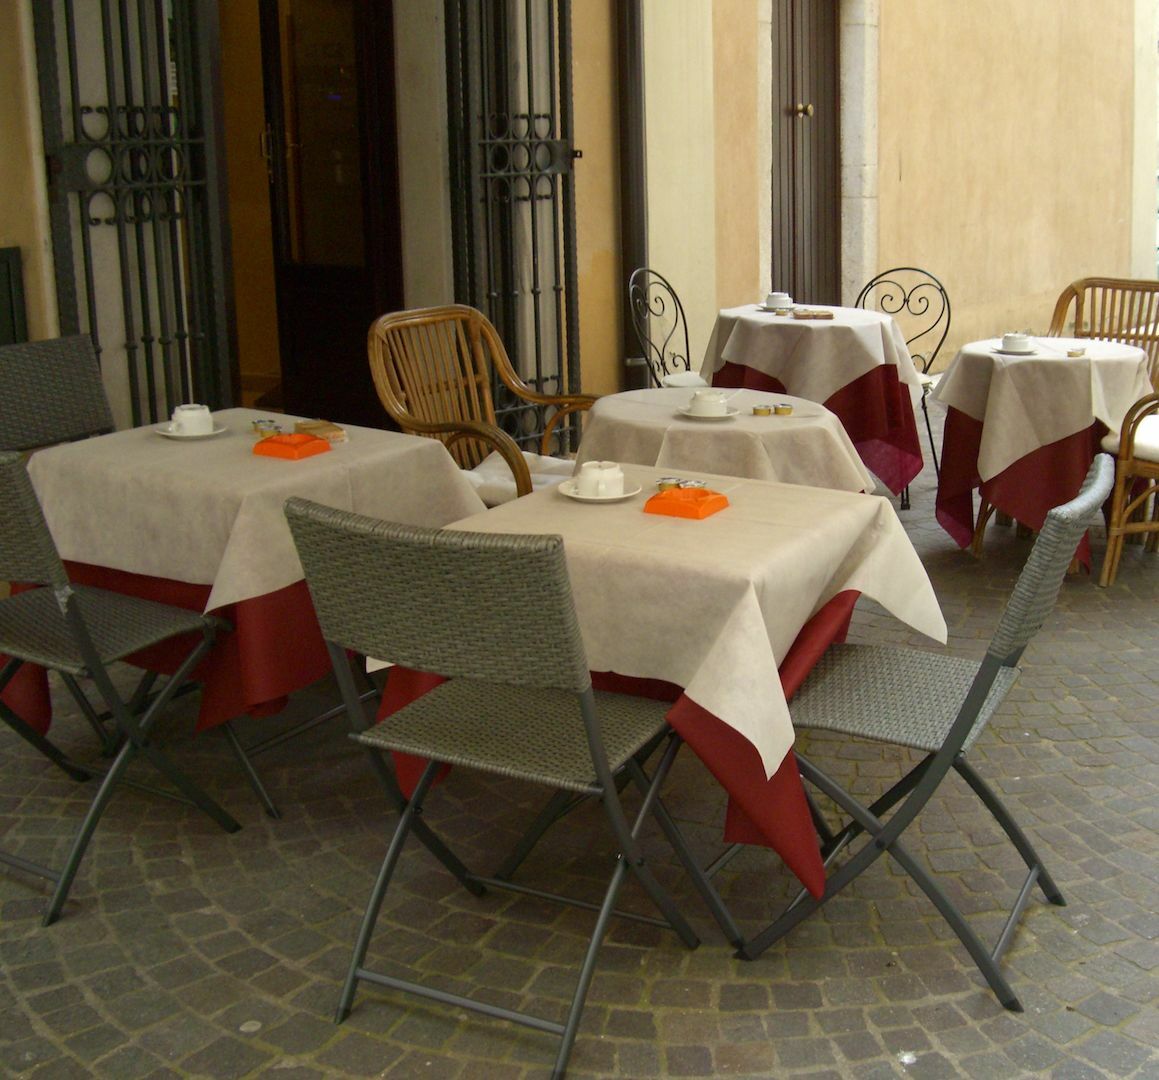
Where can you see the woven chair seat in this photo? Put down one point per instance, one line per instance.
(33, 629)
(520, 735)
(903, 696)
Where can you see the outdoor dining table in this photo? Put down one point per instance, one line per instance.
(724, 616)
(199, 523)
(1024, 429)
(855, 363)
(652, 427)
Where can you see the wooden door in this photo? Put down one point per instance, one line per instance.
(806, 185)
(328, 71)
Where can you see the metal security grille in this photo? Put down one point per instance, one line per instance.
(512, 189)
(126, 93)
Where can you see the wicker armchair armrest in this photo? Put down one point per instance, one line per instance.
(488, 433)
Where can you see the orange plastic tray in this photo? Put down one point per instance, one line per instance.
(695, 503)
(291, 447)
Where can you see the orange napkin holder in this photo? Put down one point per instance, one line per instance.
(291, 447)
(695, 503)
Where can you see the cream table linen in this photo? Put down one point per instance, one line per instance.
(209, 511)
(643, 427)
(714, 605)
(813, 358)
(1025, 402)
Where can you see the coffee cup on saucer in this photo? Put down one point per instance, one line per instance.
(779, 301)
(192, 420)
(708, 402)
(1017, 342)
(600, 480)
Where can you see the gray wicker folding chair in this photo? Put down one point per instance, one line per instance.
(51, 392)
(78, 631)
(937, 704)
(495, 614)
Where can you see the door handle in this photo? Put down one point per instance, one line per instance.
(803, 110)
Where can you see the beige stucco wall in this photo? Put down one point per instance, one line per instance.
(23, 205)
(1007, 172)
(738, 145)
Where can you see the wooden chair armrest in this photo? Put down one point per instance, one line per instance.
(488, 433)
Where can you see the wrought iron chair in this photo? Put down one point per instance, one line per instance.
(939, 705)
(495, 614)
(433, 370)
(51, 392)
(920, 305)
(78, 631)
(661, 329)
(1136, 484)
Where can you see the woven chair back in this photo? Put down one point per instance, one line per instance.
(659, 322)
(1036, 590)
(27, 551)
(1115, 309)
(435, 365)
(918, 303)
(51, 392)
(468, 605)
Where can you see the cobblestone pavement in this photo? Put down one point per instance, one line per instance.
(188, 952)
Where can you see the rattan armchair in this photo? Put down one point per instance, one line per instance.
(1115, 309)
(1136, 484)
(433, 370)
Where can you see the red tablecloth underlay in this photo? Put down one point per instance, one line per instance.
(876, 410)
(274, 648)
(1026, 490)
(772, 812)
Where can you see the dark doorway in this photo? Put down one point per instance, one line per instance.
(806, 181)
(331, 149)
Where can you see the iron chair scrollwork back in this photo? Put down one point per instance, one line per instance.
(937, 705)
(661, 329)
(919, 304)
(433, 371)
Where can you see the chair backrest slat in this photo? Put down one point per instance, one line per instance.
(27, 551)
(659, 321)
(918, 303)
(467, 605)
(1036, 590)
(51, 392)
(1114, 309)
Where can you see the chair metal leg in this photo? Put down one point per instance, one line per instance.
(33, 737)
(378, 892)
(247, 767)
(930, 433)
(558, 806)
(1012, 829)
(108, 739)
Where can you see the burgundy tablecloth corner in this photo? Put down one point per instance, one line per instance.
(1026, 490)
(772, 812)
(876, 410)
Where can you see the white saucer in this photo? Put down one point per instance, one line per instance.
(1016, 352)
(568, 488)
(690, 415)
(774, 310)
(169, 433)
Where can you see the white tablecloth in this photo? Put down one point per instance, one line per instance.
(1025, 402)
(812, 358)
(643, 427)
(209, 511)
(714, 605)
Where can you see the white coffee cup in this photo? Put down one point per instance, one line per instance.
(611, 480)
(778, 301)
(1016, 342)
(587, 481)
(192, 420)
(708, 402)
